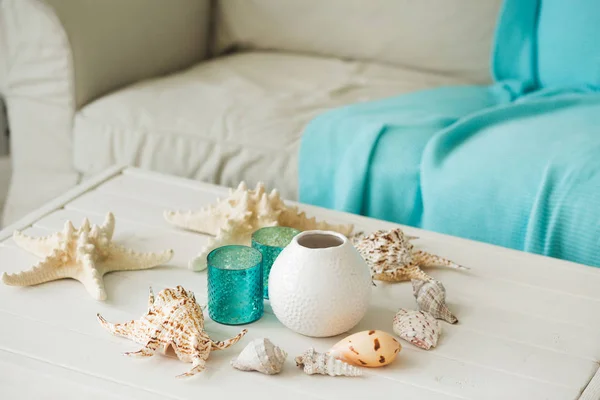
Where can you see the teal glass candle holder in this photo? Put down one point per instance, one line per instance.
(235, 286)
(270, 241)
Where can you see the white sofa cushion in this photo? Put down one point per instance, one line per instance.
(233, 118)
(451, 37)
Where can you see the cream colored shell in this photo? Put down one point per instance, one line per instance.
(85, 254)
(175, 320)
(367, 349)
(261, 355)
(431, 297)
(234, 219)
(325, 364)
(393, 258)
(417, 327)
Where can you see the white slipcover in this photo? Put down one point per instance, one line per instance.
(233, 118)
(66, 65)
(60, 54)
(450, 37)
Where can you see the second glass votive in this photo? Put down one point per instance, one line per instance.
(270, 241)
(235, 286)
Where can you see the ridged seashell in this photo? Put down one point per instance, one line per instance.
(261, 355)
(234, 219)
(173, 317)
(367, 349)
(417, 327)
(431, 297)
(325, 364)
(392, 257)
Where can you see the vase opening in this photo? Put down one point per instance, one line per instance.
(319, 240)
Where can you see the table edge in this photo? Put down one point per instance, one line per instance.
(61, 200)
(592, 390)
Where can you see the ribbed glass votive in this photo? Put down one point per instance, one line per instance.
(270, 241)
(235, 288)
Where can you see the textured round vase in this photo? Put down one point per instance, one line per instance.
(319, 285)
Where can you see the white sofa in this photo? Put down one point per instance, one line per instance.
(212, 90)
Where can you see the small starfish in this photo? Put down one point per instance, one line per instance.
(85, 254)
(392, 258)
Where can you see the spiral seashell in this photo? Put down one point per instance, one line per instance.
(173, 316)
(325, 364)
(393, 258)
(261, 355)
(417, 327)
(431, 297)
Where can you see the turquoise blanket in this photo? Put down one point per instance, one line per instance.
(516, 163)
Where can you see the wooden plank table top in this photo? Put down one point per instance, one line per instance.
(529, 325)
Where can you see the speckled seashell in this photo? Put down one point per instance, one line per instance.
(392, 257)
(417, 327)
(174, 319)
(431, 297)
(367, 349)
(261, 355)
(234, 219)
(325, 364)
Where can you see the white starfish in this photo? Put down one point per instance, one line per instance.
(233, 219)
(85, 254)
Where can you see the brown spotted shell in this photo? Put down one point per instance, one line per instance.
(367, 349)
(174, 320)
(393, 258)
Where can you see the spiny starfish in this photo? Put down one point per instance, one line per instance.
(85, 254)
(392, 258)
(232, 220)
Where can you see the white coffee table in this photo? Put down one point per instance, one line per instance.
(529, 325)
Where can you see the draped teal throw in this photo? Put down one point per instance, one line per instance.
(516, 163)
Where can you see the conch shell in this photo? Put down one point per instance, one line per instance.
(174, 319)
(325, 364)
(417, 327)
(261, 355)
(233, 219)
(392, 258)
(431, 297)
(367, 349)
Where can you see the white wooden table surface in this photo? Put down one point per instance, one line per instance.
(529, 325)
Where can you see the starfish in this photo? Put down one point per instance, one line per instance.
(85, 254)
(232, 220)
(392, 258)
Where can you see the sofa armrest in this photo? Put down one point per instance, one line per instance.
(115, 42)
(58, 55)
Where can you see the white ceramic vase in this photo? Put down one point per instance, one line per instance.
(319, 285)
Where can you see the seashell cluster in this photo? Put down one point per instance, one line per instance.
(84, 254)
(431, 298)
(232, 220)
(367, 349)
(392, 258)
(325, 364)
(417, 327)
(261, 355)
(173, 319)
